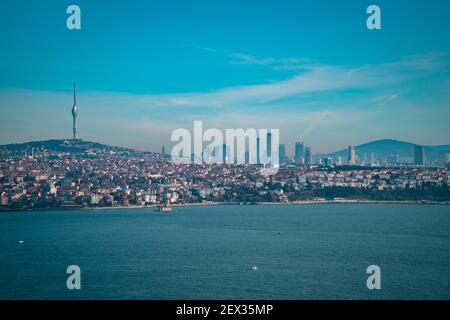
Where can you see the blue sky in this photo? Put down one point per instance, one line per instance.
(143, 68)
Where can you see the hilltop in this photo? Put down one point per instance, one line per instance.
(56, 145)
(386, 147)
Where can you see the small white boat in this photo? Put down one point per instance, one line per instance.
(254, 268)
(20, 242)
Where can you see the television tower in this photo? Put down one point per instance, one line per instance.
(75, 115)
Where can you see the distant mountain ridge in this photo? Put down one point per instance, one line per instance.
(382, 149)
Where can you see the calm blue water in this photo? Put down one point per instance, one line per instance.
(302, 252)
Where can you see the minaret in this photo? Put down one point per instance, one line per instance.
(75, 115)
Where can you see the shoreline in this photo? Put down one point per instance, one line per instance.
(203, 204)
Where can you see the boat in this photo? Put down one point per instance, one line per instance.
(254, 268)
(20, 242)
(166, 207)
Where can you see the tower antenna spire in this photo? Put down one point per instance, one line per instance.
(75, 114)
(74, 95)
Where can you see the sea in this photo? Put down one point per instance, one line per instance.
(314, 251)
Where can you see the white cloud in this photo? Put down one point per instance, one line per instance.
(279, 104)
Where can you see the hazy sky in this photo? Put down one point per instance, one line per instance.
(143, 68)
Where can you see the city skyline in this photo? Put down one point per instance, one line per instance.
(328, 89)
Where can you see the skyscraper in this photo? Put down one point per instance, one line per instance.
(299, 151)
(327, 161)
(75, 114)
(308, 155)
(224, 153)
(269, 144)
(163, 149)
(351, 155)
(419, 158)
(282, 153)
(257, 151)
